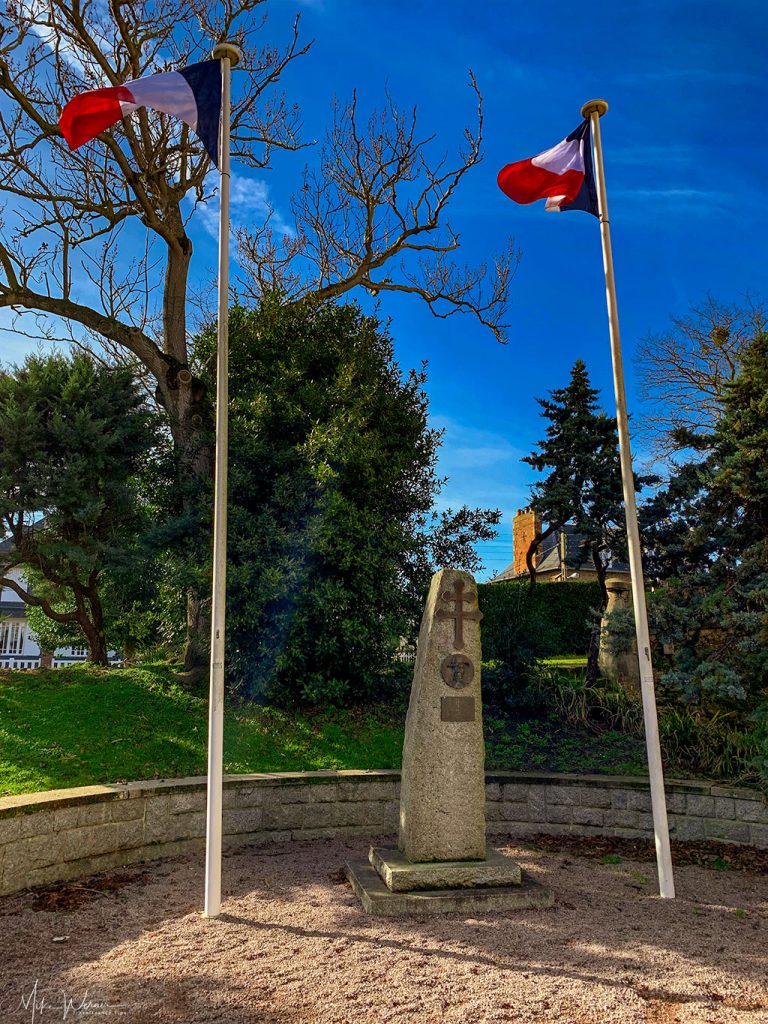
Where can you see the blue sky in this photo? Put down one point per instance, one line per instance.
(685, 152)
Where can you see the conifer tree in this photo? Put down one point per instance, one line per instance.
(583, 483)
(707, 534)
(73, 434)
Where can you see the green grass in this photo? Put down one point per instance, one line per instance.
(81, 726)
(566, 661)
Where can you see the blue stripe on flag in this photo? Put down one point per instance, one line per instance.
(204, 79)
(587, 198)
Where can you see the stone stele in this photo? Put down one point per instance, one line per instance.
(442, 802)
(442, 865)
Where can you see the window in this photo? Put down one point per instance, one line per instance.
(79, 652)
(11, 638)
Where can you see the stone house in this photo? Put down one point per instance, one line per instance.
(559, 557)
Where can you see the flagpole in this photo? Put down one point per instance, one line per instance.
(594, 110)
(229, 55)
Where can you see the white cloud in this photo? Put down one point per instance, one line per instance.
(248, 202)
(37, 12)
(652, 155)
(677, 193)
(484, 469)
(469, 448)
(673, 199)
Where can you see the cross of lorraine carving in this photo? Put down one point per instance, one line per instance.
(459, 614)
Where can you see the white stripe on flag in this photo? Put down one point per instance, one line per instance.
(565, 156)
(168, 92)
(553, 204)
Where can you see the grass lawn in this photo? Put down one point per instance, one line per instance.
(566, 661)
(80, 726)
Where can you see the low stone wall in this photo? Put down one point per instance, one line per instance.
(52, 836)
(619, 806)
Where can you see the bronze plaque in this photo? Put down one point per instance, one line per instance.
(457, 670)
(457, 709)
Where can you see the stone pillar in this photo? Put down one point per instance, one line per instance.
(442, 864)
(442, 804)
(623, 667)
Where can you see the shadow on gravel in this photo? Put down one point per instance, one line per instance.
(293, 935)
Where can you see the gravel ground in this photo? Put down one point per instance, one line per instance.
(294, 947)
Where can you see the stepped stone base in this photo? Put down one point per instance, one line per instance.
(401, 875)
(379, 901)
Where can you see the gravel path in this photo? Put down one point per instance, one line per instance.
(294, 947)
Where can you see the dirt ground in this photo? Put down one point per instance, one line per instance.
(294, 947)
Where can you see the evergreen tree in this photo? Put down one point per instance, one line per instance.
(73, 435)
(583, 483)
(333, 537)
(707, 534)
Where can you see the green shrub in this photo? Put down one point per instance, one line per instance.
(513, 689)
(720, 744)
(332, 536)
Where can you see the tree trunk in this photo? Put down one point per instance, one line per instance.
(533, 547)
(593, 654)
(93, 625)
(97, 649)
(187, 406)
(196, 647)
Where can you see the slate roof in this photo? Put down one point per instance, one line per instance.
(549, 558)
(8, 545)
(12, 608)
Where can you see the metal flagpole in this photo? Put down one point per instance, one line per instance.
(229, 55)
(594, 110)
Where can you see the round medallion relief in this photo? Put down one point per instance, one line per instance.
(457, 670)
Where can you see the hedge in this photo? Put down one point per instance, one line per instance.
(523, 623)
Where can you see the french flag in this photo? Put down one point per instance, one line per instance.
(192, 94)
(563, 175)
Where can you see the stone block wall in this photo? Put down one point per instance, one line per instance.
(48, 837)
(605, 805)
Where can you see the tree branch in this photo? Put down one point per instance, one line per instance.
(372, 216)
(39, 602)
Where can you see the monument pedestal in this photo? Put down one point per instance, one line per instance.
(388, 885)
(401, 875)
(442, 864)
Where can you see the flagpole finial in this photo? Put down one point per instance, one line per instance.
(600, 106)
(222, 50)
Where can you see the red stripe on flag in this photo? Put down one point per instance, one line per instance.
(90, 113)
(524, 182)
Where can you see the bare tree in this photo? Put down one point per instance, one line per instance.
(70, 217)
(684, 372)
(373, 216)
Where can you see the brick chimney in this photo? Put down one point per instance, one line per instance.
(524, 526)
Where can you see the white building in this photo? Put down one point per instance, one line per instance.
(18, 646)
